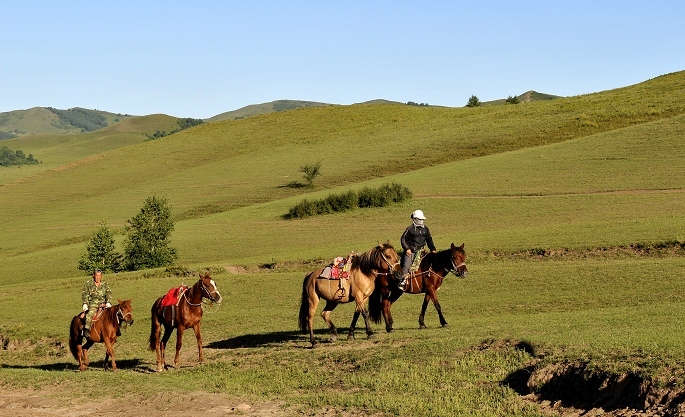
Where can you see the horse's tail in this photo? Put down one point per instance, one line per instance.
(154, 325)
(74, 331)
(304, 305)
(376, 305)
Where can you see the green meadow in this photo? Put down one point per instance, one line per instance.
(571, 211)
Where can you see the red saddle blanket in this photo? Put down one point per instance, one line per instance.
(172, 296)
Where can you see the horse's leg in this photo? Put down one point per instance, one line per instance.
(434, 296)
(198, 336)
(161, 362)
(422, 316)
(179, 344)
(353, 325)
(109, 351)
(84, 351)
(388, 299)
(326, 316)
(367, 323)
(81, 361)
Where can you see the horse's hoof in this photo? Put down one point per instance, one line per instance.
(334, 339)
(350, 337)
(423, 326)
(390, 330)
(445, 325)
(371, 336)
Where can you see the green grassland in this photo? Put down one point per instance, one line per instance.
(581, 175)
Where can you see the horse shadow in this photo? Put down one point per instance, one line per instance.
(272, 339)
(122, 364)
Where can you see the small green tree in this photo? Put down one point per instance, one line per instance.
(473, 102)
(512, 100)
(310, 172)
(147, 240)
(100, 252)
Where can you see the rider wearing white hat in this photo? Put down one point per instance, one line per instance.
(414, 238)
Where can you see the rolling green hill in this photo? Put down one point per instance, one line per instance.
(48, 120)
(229, 165)
(265, 108)
(527, 97)
(55, 151)
(571, 210)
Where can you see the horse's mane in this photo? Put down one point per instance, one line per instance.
(368, 261)
(440, 259)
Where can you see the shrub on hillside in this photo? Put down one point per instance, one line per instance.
(334, 203)
(84, 119)
(18, 157)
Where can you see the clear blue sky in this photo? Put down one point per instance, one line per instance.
(199, 59)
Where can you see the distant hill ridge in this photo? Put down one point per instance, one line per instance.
(49, 120)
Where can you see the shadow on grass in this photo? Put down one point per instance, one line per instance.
(273, 339)
(293, 184)
(123, 364)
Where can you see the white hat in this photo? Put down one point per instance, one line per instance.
(418, 214)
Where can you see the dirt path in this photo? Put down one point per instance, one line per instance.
(47, 404)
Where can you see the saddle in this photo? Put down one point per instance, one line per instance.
(339, 268)
(173, 296)
(170, 302)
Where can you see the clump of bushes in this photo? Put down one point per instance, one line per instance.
(367, 197)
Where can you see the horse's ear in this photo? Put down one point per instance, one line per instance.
(461, 247)
(452, 246)
(119, 301)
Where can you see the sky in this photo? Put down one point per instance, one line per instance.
(200, 59)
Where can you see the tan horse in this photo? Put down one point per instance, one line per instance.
(188, 314)
(104, 329)
(366, 267)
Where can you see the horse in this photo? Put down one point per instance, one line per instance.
(188, 314)
(434, 267)
(381, 260)
(104, 329)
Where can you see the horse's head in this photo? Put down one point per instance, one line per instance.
(209, 289)
(390, 260)
(124, 312)
(458, 258)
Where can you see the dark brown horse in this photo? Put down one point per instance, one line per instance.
(427, 279)
(365, 268)
(104, 329)
(187, 314)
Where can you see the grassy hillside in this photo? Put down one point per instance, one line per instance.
(62, 151)
(265, 108)
(526, 97)
(562, 206)
(45, 121)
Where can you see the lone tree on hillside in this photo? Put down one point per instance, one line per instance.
(473, 102)
(310, 172)
(100, 253)
(147, 240)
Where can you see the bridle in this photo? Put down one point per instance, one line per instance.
(391, 266)
(204, 289)
(121, 317)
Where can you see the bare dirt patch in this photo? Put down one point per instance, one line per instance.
(46, 403)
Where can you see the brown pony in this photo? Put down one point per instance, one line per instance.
(188, 314)
(105, 328)
(433, 268)
(366, 267)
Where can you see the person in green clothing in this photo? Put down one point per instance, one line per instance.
(95, 293)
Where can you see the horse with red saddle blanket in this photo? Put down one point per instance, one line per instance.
(181, 308)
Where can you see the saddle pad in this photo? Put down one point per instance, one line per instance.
(172, 296)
